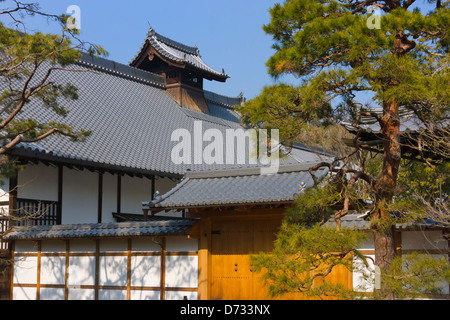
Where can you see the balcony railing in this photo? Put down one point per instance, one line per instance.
(30, 212)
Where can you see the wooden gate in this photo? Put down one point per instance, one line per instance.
(232, 275)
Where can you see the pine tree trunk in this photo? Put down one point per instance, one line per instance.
(384, 228)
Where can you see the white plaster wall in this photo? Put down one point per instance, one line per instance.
(144, 245)
(423, 240)
(146, 271)
(113, 245)
(25, 270)
(4, 190)
(24, 293)
(113, 271)
(81, 294)
(81, 271)
(38, 182)
(363, 276)
(144, 295)
(174, 244)
(134, 192)
(26, 247)
(52, 294)
(53, 270)
(82, 246)
(181, 295)
(109, 198)
(368, 243)
(80, 197)
(53, 246)
(181, 270)
(4, 196)
(112, 295)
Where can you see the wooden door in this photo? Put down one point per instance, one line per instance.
(232, 276)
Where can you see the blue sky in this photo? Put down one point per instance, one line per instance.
(228, 33)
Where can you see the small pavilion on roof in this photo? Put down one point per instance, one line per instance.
(181, 66)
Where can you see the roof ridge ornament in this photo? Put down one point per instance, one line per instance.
(151, 32)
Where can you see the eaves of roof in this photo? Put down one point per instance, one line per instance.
(237, 188)
(167, 227)
(178, 53)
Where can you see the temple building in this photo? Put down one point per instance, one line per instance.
(116, 218)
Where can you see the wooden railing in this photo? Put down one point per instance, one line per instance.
(32, 212)
(4, 226)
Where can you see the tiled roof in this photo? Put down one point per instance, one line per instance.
(179, 53)
(167, 227)
(132, 119)
(357, 221)
(370, 124)
(237, 187)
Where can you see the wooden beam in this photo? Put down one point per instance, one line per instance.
(60, 194)
(204, 247)
(66, 273)
(38, 280)
(129, 242)
(163, 269)
(119, 193)
(100, 198)
(97, 270)
(153, 188)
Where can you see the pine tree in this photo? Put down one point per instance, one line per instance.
(390, 53)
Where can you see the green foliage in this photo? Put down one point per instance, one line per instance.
(415, 275)
(329, 47)
(317, 204)
(27, 62)
(431, 182)
(303, 258)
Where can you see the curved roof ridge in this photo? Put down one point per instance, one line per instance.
(223, 100)
(179, 53)
(123, 70)
(173, 43)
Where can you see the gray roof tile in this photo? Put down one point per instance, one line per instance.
(157, 227)
(179, 52)
(237, 187)
(132, 119)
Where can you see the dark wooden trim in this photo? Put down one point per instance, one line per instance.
(67, 275)
(60, 194)
(97, 269)
(93, 167)
(130, 245)
(163, 269)
(100, 198)
(153, 188)
(13, 257)
(119, 193)
(38, 279)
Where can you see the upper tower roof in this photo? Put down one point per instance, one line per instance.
(175, 54)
